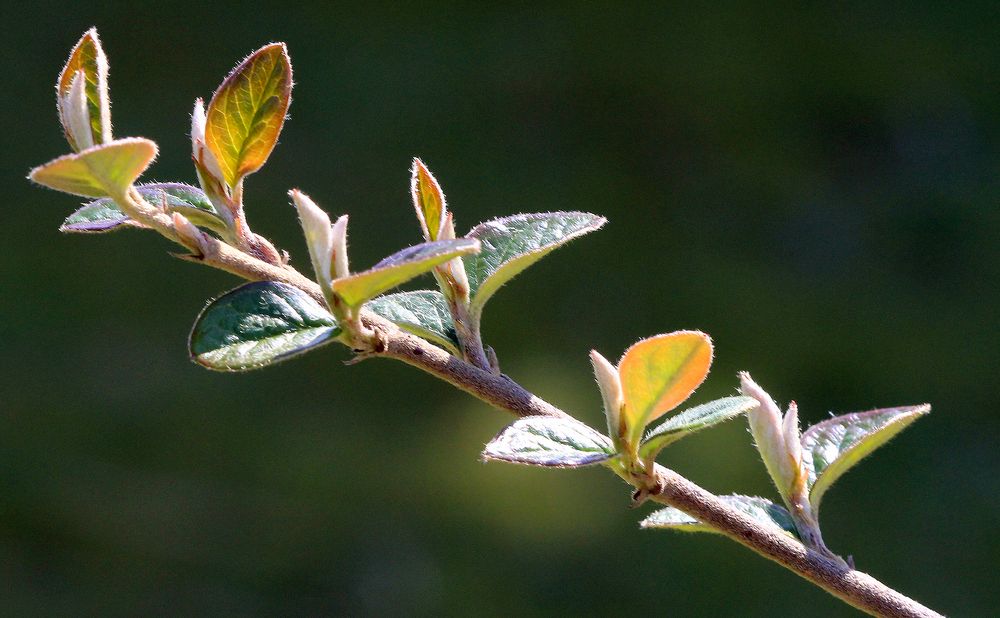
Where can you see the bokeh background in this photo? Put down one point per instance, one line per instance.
(815, 187)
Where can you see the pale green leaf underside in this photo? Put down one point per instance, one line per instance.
(423, 312)
(831, 448)
(550, 442)
(103, 215)
(511, 244)
(399, 268)
(258, 324)
(99, 171)
(760, 509)
(692, 420)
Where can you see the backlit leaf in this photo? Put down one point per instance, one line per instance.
(246, 113)
(760, 509)
(694, 419)
(428, 199)
(551, 442)
(511, 244)
(100, 171)
(832, 447)
(258, 324)
(103, 215)
(423, 312)
(88, 57)
(399, 268)
(661, 372)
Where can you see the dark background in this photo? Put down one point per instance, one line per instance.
(816, 188)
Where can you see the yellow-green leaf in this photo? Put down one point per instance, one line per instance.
(399, 268)
(103, 170)
(246, 113)
(88, 57)
(428, 200)
(661, 372)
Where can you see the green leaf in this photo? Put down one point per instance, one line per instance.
(399, 268)
(258, 324)
(88, 58)
(104, 215)
(428, 199)
(248, 110)
(760, 509)
(512, 244)
(100, 171)
(694, 419)
(831, 448)
(424, 313)
(551, 442)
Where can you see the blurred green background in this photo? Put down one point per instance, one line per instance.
(815, 187)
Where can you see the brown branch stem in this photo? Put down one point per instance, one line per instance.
(854, 587)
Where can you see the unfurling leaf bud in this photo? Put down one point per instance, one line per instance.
(610, 384)
(82, 94)
(319, 236)
(75, 115)
(340, 265)
(781, 458)
(428, 201)
(203, 157)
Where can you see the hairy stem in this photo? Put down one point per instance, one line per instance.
(854, 587)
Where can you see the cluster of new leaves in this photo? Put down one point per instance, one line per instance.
(264, 322)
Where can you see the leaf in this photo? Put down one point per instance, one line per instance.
(761, 509)
(428, 199)
(99, 171)
(834, 446)
(512, 244)
(692, 420)
(551, 442)
(661, 372)
(399, 268)
(104, 215)
(88, 57)
(258, 324)
(246, 113)
(424, 313)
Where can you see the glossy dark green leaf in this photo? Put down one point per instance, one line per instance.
(399, 268)
(692, 420)
(511, 244)
(103, 215)
(258, 324)
(423, 312)
(549, 442)
(831, 448)
(761, 509)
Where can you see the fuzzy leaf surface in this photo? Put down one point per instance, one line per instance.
(258, 324)
(103, 215)
(88, 57)
(422, 312)
(692, 420)
(760, 509)
(428, 199)
(549, 442)
(659, 373)
(247, 112)
(834, 446)
(100, 171)
(399, 268)
(511, 244)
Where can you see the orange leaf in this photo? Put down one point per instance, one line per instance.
(659, 373)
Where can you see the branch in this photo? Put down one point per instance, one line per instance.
(854, 587)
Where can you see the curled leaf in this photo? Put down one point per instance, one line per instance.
(550, 442)
(100, 171)
(246, 113)
(259, 324)
(428, 200)
(87, 60)
(834, 446)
